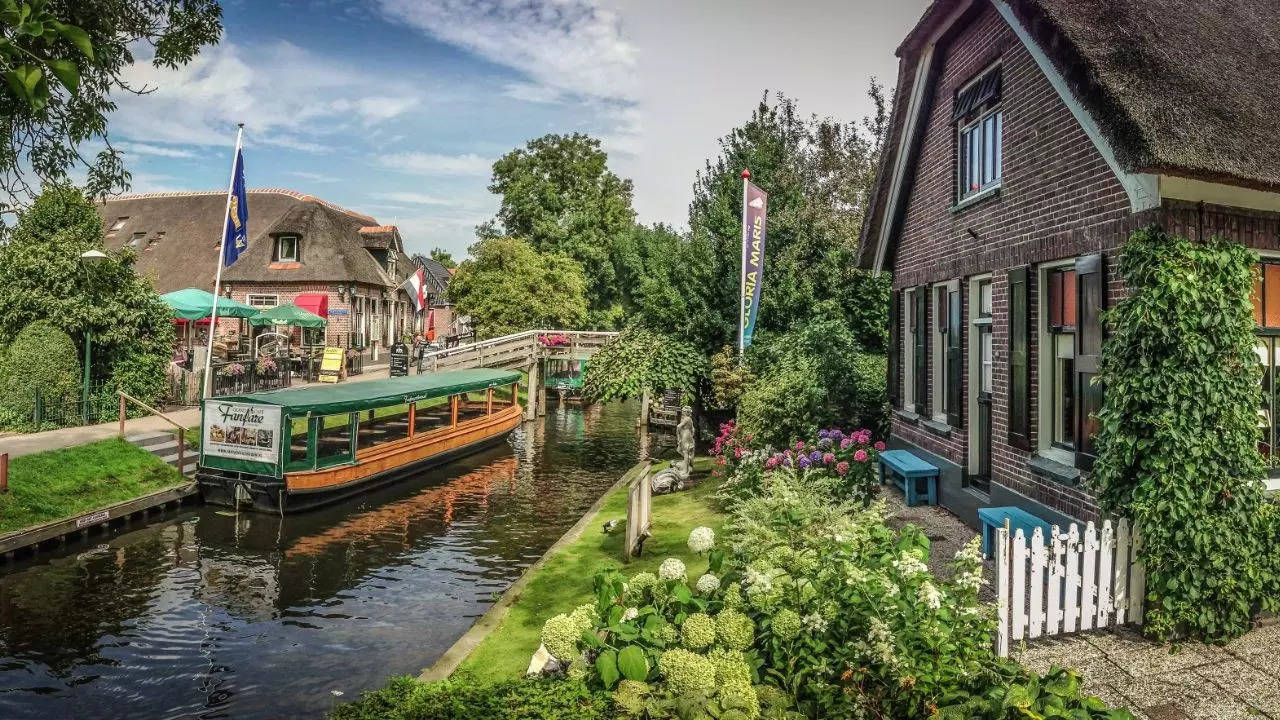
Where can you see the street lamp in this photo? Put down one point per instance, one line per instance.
(88, 259)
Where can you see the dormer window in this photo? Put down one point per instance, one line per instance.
(979, 130)
(119, 223)
(136, 239)
(287, 248)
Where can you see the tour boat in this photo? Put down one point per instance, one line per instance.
(299, 448)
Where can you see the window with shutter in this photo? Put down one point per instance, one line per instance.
(895, 309)
(953, 396)
(920, 348)
(1091, 297)
(1019, 359)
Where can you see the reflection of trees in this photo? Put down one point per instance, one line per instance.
(59, 610)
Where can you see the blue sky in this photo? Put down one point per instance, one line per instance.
(397, 108)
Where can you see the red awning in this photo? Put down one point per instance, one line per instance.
(316, 303)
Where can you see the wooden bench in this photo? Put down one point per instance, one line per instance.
(992, 518)
(908, 470)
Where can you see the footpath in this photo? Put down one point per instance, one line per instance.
(19, 444)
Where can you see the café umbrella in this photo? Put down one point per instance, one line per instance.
(196, 304)
(287, 314)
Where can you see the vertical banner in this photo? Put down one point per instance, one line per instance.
(755, 206)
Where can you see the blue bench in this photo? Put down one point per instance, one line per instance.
(992, 518)
(908, 471)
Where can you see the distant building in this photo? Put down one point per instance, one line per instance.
(447, 321)
(302, 249)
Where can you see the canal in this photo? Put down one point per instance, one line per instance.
(212, 615)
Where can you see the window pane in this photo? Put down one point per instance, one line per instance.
(1089, 324)
(383, 425)
(1271, 290)
(1055, 299)
(988, 149)
(999, 142)
(1063, 387)
(975, 160)
(986, 362)
(333, 437)
(431, 414)
(984, 299)
(1267, 349)
(1069, 298)
(1256, 297)
(298, 439)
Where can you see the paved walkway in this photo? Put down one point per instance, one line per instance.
(19, 444)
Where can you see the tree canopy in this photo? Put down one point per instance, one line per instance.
(62, 59)
(444, 257)
(43, 278)
(508, 286)
(559, 194)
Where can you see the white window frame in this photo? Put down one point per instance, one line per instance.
(280, 256)
(256, 300)
(972, 352)
(1044, 366)
(908, 351)
(938, 350)
(963, 193)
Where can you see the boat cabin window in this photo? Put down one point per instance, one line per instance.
(299, 441)
(383, 425)
(430, 414)
(333, 438)
(503, 397)
(472, 405)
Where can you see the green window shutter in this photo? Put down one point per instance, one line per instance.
(1091, 299)
(920, 357)
(1019, 359)
(954, 399)
(895, 356)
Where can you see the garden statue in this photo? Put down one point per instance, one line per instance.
(674, 477)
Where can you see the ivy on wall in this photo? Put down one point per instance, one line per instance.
(1179, 433)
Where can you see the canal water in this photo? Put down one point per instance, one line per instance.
(209, 614)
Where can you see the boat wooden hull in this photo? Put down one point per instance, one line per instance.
(373, 467)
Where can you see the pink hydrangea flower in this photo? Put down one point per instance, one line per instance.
(842, 467)
(879, 446)
(828, 458)
(799, 444)
(771, 463)
(845, 443)
(860, 456)
(737, 452)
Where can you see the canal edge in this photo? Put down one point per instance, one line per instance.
(444, 666)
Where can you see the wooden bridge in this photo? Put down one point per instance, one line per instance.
(521, 351)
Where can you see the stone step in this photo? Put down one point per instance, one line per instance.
(145, 440)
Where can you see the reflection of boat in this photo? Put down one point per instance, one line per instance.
(345, 439)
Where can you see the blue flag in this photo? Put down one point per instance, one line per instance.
(236, 235)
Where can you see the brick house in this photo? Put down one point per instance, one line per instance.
(301, 249)
(1028, 139)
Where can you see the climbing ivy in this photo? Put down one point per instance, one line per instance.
(1179, 433)
(637, 359)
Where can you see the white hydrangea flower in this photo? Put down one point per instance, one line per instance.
(672, 569)
(708, 584)
(929, 595)
(702, 539)
(891, 589)
(814, 622)
(909, 565)
(630, 614)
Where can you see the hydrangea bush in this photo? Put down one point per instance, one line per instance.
(843, 462)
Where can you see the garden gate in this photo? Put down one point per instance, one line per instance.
(1069, 582)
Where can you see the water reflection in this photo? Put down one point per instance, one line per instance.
(217, 615)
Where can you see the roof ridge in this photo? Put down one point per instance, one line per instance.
(305, 197)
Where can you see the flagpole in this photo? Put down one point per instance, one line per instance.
(217, 278)
(742, 282)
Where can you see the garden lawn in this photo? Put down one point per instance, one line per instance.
(62, 483)
(565, 581)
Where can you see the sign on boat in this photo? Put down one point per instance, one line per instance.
(298, 448)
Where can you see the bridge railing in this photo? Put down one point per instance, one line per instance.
(515, 350)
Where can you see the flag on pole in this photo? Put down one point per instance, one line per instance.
(236, 238)
(416, 286)
(755, 208)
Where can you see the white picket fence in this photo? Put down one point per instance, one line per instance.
(1067, 583)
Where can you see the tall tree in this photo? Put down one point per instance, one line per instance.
(508, 286)
(559, 194)
(62, 60)
(444, 257)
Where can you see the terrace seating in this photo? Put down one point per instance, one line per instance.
(1019, 519)
(909, 472)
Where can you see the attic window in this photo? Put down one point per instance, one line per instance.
(119, 223)
(152, 242)
(979, 135)
(137, 238)
(287, 248)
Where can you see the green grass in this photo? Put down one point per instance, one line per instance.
(63, 483)
(565, 581)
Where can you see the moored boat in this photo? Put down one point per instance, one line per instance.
(295, 449)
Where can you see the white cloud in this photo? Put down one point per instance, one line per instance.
(414, 198)
(133, 148)
(423, 163)
(533, 92)
(570, 46)
(312, 176)
(286, 96)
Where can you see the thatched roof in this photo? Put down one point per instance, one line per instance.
(1176, 87)
(178, 245)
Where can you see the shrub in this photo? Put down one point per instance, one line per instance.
(463, 697)
(638, 359)
(42, 357)
(1178, 440)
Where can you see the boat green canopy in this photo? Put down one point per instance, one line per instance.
(287, 314)
(356, 396)
(196, 304)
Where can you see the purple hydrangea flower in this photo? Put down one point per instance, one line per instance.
(804, 461)
(815, 456)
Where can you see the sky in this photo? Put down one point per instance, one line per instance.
(398, 108)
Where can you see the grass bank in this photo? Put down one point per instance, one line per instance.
(58, 484)
(565, 580)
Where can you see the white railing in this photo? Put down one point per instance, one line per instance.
(1068, 582)
(516, 349)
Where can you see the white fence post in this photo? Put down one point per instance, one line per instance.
(1068, 582)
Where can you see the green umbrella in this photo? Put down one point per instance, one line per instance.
(197, 304)
(287, 314)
